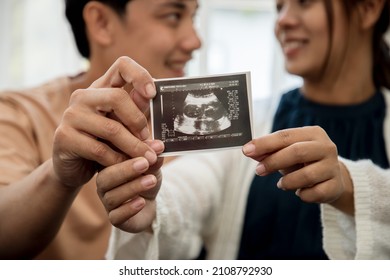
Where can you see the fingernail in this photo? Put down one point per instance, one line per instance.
(150, 90)
(157, 146)
(260, 169)
(145, 134)
(148, 181)
(138, 203)
(279, 183)
(151, 157)
(248, 149)
(141, 165)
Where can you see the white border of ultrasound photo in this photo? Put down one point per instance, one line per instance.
(205, 113)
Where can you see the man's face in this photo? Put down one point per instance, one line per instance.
(159, 35)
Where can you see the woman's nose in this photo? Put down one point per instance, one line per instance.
(287, 16)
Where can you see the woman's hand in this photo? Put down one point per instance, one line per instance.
(307, 159)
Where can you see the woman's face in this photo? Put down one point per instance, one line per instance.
(160, 35)
(302, 30)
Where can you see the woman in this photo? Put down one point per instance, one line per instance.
(345, 68)
(321, 134)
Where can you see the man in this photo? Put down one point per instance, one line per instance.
(48, 216)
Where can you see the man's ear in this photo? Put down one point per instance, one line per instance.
(369, 12)
(99, 22)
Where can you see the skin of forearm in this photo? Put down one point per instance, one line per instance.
(345, 202)
(31, 212)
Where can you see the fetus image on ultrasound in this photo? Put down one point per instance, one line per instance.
(202, 114)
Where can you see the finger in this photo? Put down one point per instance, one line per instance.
(140, 101)
(84, 146)
(157, 145)
(292, 156)
(117, 196)
(126, 211)
(324, 192)
(307, 177)
(273, 142)
(121, 173)
(290, 169)
(155, 170)
(122, 182)
(113, 132)
(127, 71)
(105, 102)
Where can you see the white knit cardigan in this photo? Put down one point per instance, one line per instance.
(203, 198)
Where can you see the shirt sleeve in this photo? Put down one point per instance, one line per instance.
(18, 151)
(366, 235)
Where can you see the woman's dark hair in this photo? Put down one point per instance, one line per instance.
(380, 48)
(381, 51)
(74, 14)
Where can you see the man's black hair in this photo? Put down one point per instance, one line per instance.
(74, 14)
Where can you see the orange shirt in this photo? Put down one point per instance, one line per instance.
(28, 120)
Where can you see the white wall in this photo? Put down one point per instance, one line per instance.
(37, 43)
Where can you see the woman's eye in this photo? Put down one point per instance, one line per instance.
(279, 6)
(173, 18)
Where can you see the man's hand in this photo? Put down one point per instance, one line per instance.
(104, 124)
(128, 191)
